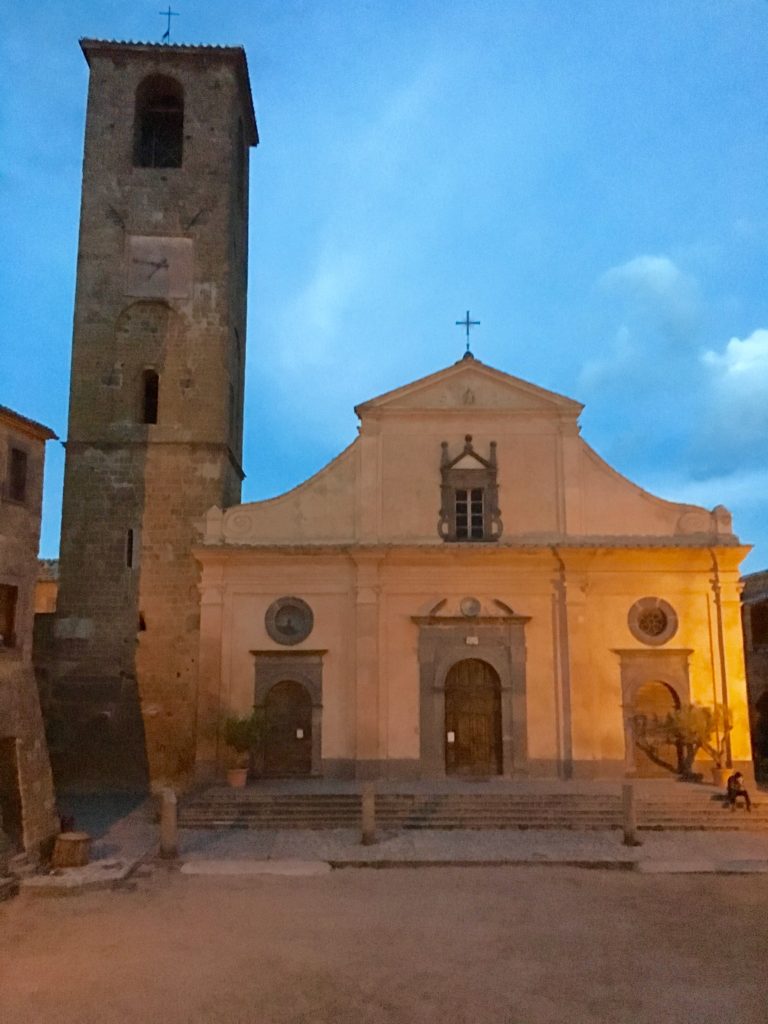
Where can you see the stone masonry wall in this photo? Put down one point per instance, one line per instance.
(135, 493)
(21, 725)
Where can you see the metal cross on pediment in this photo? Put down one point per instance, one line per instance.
(168, 14)
(466, 323)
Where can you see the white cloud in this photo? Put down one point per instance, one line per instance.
(739, 385)
(659, 310)
(316, 313)
(743, 362)
(611, 364)
(656, 286)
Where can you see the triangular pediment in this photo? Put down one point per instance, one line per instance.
(468, 462)
(470, 384)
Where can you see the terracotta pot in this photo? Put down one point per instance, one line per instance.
(237, 777)
(719, 775)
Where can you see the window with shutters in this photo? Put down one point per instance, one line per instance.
(16, 481)
(469, 509)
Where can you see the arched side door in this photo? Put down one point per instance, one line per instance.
(287, 730)
(473, 719)
(654, 700)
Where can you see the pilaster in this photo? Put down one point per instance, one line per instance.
(367, 674)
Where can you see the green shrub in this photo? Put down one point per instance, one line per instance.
(243, 732)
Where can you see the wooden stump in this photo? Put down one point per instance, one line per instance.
(72, 850)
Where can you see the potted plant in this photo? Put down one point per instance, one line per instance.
(242, 733)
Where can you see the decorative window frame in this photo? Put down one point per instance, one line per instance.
(303, 667)
(456, 477)
(305, 616)
(652, 605)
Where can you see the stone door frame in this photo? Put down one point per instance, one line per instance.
(499, 641)
(638, 667)
(304, 667)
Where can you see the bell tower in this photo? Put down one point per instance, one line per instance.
(156, 397)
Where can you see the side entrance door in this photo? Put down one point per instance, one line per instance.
(473, 719)
(288, 730)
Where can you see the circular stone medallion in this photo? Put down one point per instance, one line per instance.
(470, 607)
(652, 621)
(289, 620)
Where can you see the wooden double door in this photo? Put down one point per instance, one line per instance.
(473, 720)
(287, 730)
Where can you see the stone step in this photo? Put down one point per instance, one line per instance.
(246, 809)
(278, 822)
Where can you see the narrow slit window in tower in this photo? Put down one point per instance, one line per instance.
(151, 394)
(130, 549)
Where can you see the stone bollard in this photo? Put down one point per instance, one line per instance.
(368, 801)
(629, 814)
(169, 827)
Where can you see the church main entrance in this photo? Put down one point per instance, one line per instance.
(288, 730)
(473, 719)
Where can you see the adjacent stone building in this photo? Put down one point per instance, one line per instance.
(27, 814)
(468, 589)
(755, 598)
(47, 586)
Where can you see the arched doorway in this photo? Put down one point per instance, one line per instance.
(653, 700)
(473, 719)
(287, 730)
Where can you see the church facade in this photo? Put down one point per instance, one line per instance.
(468, 589)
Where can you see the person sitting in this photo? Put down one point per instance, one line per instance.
(735, 790)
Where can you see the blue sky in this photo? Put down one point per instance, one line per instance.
(587, 176)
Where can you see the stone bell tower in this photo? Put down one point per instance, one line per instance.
(156, 398)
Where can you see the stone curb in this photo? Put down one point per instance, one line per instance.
(294, 868)
(243, 867)
(72, 881)
(603, 865)
(649, 867)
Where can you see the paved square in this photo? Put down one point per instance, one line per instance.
(449, 945)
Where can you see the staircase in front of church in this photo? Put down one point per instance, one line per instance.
(221, 808)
